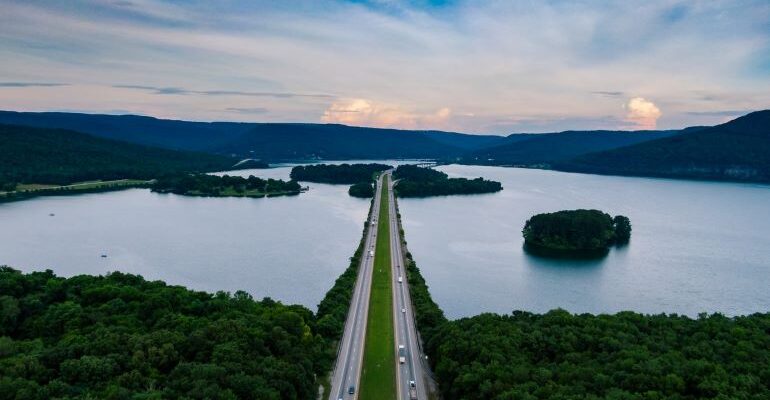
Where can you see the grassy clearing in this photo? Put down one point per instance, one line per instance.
(378, 379)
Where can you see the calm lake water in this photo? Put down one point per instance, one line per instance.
(289, 248)
(695, 246)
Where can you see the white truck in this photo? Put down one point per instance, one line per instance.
(401, 354)
(412, 391)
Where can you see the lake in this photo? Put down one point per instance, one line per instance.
(288, 248)
(695, 247)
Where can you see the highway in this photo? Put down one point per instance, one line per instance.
(403, 313)
(347, 370)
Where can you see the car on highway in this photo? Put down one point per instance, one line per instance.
(400, 279)
(351, 389)
(403, 310)
(371, 253)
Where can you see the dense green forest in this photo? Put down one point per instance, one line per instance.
(121, 337)
(738, 150)
(576, 231)
(216, 186)
(342, 173)
(363, 190)
(414, 181)
(52, 156)
(630, 356)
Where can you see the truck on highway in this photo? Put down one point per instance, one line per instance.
(412, 391)
(401, 354)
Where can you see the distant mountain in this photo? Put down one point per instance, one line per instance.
(546, 148)
(170, 134)
(737, 150)
(56, 156)
(272, 141)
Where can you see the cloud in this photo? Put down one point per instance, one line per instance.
(642, 113)
(248, 110)
(608, 93)
(364, 112)
(720, 113)
(561, 63)
(29, 84)
(181, 91)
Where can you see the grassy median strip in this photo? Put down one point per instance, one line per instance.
(378, 378)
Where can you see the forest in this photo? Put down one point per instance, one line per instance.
(363, 190)
(119, 336)
(738, 150)
(631, 356)
(414, 181)
(342, 173)
(221, 186)
(53, 156)
(575, 231)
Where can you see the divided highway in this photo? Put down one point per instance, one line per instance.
(409, 363)
(410, 373)
(347, 369)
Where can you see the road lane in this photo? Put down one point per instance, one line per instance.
(347, 370)
(406, 332)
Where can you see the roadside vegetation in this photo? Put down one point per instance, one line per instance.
(378, 378)
(575, 232)
(559, 355)
(119, 336)
(343, 173)
(414, 181)
(224, 186)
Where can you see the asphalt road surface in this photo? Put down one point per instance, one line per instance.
(347, 370)
(412, 370)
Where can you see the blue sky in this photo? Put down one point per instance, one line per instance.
(471, 66)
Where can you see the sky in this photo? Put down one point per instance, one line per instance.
(495, 67)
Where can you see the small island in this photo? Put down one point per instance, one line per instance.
(578, 233)
(414, 181)
(343, 173)
(362, 189)
(224, 186)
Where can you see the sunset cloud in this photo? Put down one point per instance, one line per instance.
(364, 112)
(642, 113)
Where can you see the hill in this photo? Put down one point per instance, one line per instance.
(273, 141)
(738, 150)
(529, 149)
(56, 156)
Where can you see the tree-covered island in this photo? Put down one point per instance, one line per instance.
(224, 186)
(414, 181)
(363, 190)
(575, 232)
(343, 173)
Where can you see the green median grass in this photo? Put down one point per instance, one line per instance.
(378, 378)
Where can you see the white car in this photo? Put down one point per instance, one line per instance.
(403, 310)
(400, 279)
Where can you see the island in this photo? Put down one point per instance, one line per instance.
(575, 232)
(416, 181)
(362, 189)
(224, 186)
(343, 173)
